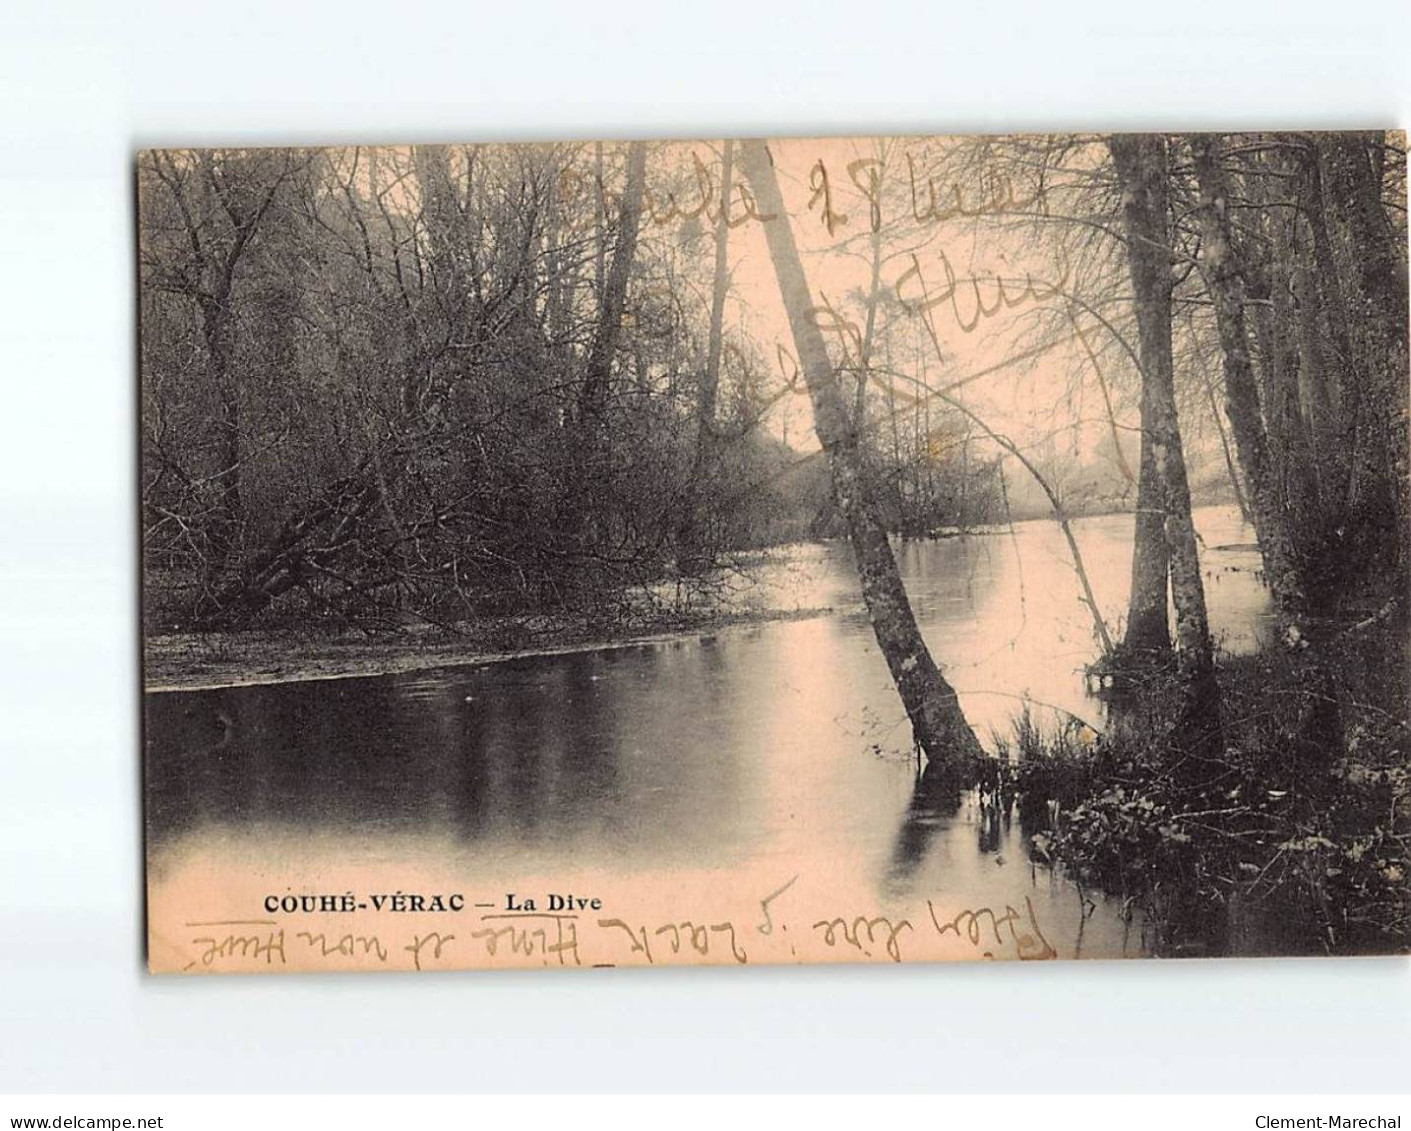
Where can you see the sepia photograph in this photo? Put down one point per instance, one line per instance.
(798, 564)
(852, 549)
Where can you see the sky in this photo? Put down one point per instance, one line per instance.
(1033, 399)
(937, 221)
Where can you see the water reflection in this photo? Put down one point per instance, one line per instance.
(934, 803)
(533, 756)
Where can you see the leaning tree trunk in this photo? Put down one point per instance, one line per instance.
(1143, 171)
(1225, 279)
(938, 724)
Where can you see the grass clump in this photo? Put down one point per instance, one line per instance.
(1294, 836)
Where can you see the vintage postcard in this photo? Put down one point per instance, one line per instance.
(808, 550)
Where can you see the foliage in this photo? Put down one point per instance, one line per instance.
(371, 393)
(1297, 836)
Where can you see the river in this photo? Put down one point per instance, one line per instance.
(767, 751)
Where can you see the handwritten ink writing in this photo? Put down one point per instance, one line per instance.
(852, 933)
(969, 924)
(347, 946)
(695, 935)
(546, 938)
(767, 927)
(1005, 300)
(822, 190)
(529, 930)
(673, 212)
(419, 943)
(750, 209)
(871, 168)
(638, 938)
(268, 946)
(1002, 200)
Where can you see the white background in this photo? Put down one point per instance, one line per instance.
(83, 84)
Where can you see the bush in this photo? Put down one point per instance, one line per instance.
(1294, 837)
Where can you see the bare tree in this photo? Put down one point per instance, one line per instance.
(1226, 279)
(708, 393)
(222, 197)
(1142, 164)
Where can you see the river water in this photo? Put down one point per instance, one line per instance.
(769, 750)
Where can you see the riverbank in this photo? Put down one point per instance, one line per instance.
(1292, 837)
(202, 661)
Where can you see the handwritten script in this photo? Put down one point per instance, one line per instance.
(773, 933)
